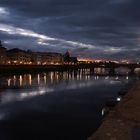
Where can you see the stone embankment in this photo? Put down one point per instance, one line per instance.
(123, 121)
(13, 69)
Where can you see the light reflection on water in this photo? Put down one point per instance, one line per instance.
(44, 78)
(78, 105)
(19, 87)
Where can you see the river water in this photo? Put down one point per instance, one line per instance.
(55, 105)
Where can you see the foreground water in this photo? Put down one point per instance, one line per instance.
(55, 105)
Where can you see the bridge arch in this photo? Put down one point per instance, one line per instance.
(122, 70)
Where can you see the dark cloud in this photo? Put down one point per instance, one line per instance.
(95, 28)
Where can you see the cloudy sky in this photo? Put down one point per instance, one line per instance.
(107, 29)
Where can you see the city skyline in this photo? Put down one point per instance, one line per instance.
(93, 29)
(4, 50)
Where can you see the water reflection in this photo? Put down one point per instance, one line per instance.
(14, 78)
(81, 96)
(104, 111)
(119, 99)
(20, 80)
(9, 82)
(49, 78)
(19, 87)
(45, 78)
(38, 79)
(30, 79)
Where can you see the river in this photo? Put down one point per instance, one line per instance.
(55, 105)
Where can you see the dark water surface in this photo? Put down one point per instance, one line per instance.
(54, 105)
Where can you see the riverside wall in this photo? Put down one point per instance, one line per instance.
(9, 69)
(123, 121)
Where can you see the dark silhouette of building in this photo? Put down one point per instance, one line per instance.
(3, 56)
(68, 59)
(73, 60)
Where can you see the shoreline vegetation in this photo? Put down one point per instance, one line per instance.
(122, 121)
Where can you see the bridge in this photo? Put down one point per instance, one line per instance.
(110, 66)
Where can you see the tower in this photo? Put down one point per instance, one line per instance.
(67, 57)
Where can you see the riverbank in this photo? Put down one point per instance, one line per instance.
(23, 69)
(123, 121)
(15, 69)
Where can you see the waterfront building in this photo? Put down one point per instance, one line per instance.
(18, 56)
(3, 56)
(68, 59)
(32, 56)
(44, 58)
(73, 60)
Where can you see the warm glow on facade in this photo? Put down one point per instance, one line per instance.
(86, 59)
(89, 60)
